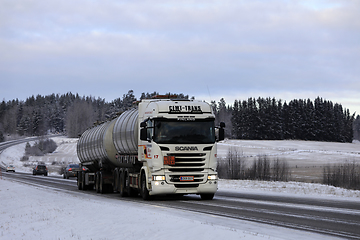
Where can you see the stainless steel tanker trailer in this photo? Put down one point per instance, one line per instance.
(163, 146)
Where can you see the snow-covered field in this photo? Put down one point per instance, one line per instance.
(306, 159)
(30, 212)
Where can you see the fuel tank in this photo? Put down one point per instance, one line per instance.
(103, 145)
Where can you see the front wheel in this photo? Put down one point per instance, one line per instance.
(207, 196)
(143, 188)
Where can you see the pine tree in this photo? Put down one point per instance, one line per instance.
(356, 128)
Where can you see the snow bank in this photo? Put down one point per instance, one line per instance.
(288, 188)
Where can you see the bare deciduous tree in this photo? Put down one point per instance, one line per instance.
(80, 116)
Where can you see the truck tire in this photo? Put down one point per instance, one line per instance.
(116, 180)
(97, 182)
(144, 192)
(84, 187)
(207, 196)
(122, 187)
(78, 180)
(101, 184)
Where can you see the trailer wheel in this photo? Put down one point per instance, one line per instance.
(143, 189)
(84, 187)
(97, 182)
(101, 184)
(79, 180)
(207, 196)
(116, 180)
(122, 187)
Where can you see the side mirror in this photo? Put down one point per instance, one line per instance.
(143, 134)
(143, 131)
(222, 131)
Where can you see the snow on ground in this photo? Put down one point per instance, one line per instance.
(306, 159)
(63, 155)
(289, 188)
(28, 212)
(12, 155)
(303, 152)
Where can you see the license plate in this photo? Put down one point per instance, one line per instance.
(187, 178)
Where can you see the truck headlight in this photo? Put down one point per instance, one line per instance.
(212, 177)
(158, 178)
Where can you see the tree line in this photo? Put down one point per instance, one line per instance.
(272, 119)
(262, 118)
(68, 113)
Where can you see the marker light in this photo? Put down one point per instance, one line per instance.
(169, 160)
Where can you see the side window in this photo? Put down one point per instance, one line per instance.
(150, 128)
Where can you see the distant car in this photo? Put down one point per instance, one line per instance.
(40, 169)
(10, 168)
(71, 170)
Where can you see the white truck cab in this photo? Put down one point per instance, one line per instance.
(178, 147)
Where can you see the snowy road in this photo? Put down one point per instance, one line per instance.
(330, 217)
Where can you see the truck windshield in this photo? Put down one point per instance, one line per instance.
(184, 132)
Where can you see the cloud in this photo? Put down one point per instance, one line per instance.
(105, 48)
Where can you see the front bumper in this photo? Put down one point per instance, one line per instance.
(163, 188)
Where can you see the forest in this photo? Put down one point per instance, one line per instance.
(272, 119)
(260, 119)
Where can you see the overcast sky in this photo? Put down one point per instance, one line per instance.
(235, 49)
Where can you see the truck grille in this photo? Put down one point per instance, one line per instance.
(187, 165)
(188, 162)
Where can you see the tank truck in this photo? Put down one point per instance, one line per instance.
(160, 147)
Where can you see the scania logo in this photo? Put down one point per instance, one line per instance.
(186, 149)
